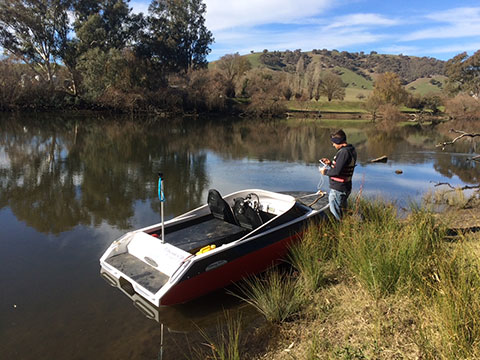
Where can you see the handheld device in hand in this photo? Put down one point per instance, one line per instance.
(324, 165)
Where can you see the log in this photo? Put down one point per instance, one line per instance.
(382, 159)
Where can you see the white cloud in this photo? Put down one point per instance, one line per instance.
(456, 15)
(223, 14)
(446, 32)
(400, 49)
(455, 48)
(460, 22)
(362, 19)
(306, 38)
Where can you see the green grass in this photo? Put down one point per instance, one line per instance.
(225, 344)
(385, 254)
(455, 310)
(354, 80)
(274, 294)
(254, 59)
(423, 86)
(327, 106)
(307, 256)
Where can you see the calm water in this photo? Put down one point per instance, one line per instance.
(70, 185)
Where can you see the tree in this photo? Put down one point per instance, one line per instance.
(177, 37)
(107, 24)
(331, 86)
(36, 32)
(463, 74)
(99, 25)
(388, 89)
(233, 66)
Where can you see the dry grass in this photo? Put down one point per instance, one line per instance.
(431, 312)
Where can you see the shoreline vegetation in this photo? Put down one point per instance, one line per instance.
(375, 286)
(101, 56)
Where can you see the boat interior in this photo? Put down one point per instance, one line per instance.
(220, 225)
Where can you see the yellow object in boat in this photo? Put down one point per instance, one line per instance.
(205, 249)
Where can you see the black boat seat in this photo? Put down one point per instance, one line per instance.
(219, 207)
(246, 216)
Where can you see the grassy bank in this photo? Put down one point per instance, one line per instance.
(372, 287)
(327, 106)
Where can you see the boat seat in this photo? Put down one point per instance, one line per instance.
(246, 216)
(219, 207)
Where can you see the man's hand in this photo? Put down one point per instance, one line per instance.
(326, 161)
(323, 171)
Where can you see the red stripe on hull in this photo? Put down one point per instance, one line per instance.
(232, 271)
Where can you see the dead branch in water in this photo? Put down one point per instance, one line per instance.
(475, 158)
(466, 187)
(462, 134)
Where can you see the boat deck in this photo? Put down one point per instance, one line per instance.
(315, 201)
(143, 274)
(210, 232)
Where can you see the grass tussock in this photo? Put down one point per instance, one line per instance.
(308, 257)
(225, 343)
(385, 253)
(455, 305)
(275, 295)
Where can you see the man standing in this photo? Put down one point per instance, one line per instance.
(340, 173)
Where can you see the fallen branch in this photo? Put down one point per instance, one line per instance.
(382, 159)
(466, 187)
(475, 158)
(462, 134)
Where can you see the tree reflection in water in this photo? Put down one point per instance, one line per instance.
(58, 172)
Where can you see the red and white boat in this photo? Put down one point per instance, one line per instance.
(207, 248)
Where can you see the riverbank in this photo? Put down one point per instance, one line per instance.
(378, 287)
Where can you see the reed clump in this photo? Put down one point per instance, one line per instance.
(454, 314)
(226, 342)
(308, 258)
(274, 294)
(385, 253)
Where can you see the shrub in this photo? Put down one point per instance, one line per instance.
(463, 107)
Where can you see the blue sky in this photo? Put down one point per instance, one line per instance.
(439, 29)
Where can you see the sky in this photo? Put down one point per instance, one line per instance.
(439, 29)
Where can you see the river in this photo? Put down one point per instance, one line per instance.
(70, 184)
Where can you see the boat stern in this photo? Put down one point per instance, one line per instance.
(141, 264)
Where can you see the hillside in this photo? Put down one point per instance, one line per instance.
(358, 71)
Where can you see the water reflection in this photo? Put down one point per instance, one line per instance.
(58, 174)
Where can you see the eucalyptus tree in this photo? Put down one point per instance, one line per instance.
(176, 36)
(463, 74)
(104, 31)
(35, 31)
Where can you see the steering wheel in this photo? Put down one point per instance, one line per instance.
(253, 204)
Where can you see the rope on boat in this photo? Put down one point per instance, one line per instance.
(319, 192)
